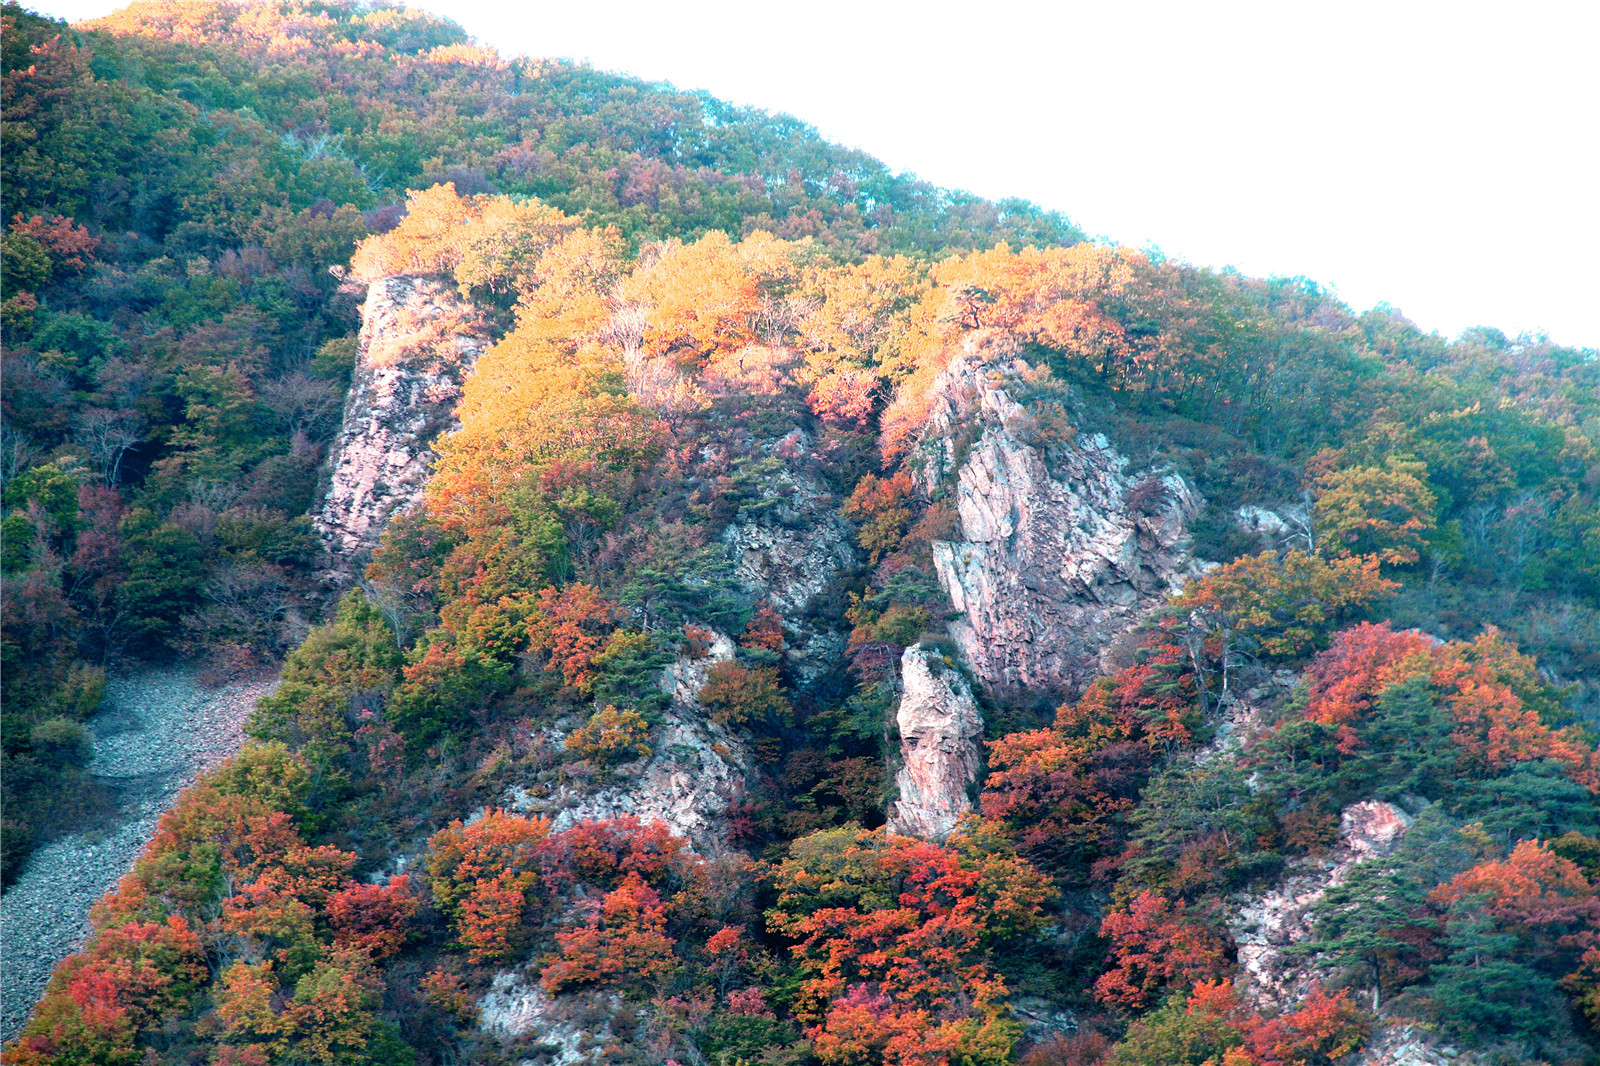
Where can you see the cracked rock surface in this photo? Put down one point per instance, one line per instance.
(939, 732)
(419, 341)
(1062, 548)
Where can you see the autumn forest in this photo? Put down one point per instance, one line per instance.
(832, 620)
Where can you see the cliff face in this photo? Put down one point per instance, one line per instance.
(419, 340)
(792, 551)
(939, 732)
(1062, 549)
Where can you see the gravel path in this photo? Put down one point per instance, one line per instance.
(156, 732)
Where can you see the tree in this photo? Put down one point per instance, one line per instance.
(1213, 1026)
(893, 936)
(623, 943)
(765, 630)
(373, 918)
(1322, 1031)
(328, 1020)
(107, 436)
(1537, 895)
(611, 736)
(1486, 989)
(483, 875)
(132, 977)
(1364, 510)
(1196, 1030)
(350, 661)
(572, 625)
(1283, 607)
(1356, 691)
(1061, 793)
(845, 397)
(880, 511)
(736, 694)
(1154, 944)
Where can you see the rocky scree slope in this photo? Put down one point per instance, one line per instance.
(158, 730)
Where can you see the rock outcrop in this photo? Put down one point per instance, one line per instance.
(1265, 926)
(939, 731)
(1287, 527)
(419, 340)
(561, 1031)
(792, 552)
(695, 772)
(1062, 549)
(1408, 1045)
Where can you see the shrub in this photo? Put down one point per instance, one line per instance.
(736, 694)
(611, 736)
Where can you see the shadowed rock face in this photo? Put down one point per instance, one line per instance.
(939, 731)
(1060, 553)
(793, 552)
(419, 340)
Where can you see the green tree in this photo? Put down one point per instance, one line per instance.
(1487, 990)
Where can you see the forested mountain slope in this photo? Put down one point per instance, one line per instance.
(179, 180)
(827, 633)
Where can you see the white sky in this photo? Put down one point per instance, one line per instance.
(1440, 156)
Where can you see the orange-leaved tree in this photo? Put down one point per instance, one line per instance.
(572, 625)
(1058, 792)
(894, 937)
(1491, 692)
(622, 944)
(483, 876)
(131, 977)
(1155, 944)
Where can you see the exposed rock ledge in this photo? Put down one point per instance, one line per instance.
(1407, 1045)
(561, 1029)
(1265, 926)
(939, 730)
(696, 770)
(1057, 558)
(419, 340)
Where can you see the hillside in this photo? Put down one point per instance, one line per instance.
(738, 605)
(179, 180)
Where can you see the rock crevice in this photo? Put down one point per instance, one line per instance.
(792, 551)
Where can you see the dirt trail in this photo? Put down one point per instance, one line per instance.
(156, 732)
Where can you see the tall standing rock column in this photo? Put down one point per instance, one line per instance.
(419, 340)
(939, 731)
